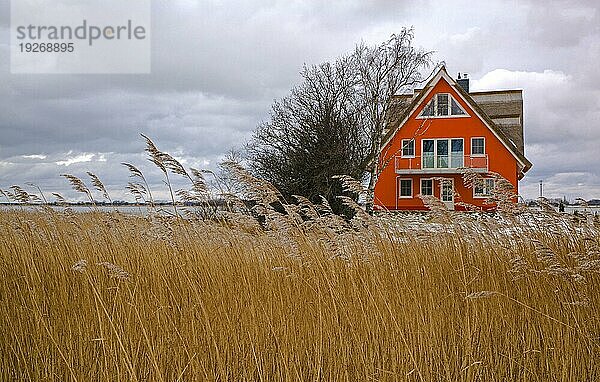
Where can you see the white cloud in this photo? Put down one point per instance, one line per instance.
(507, 79)
(34, 156)
(80, 158)
(466, 37)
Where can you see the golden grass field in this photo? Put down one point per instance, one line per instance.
(467, 297)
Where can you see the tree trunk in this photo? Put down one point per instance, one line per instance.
(375, 152)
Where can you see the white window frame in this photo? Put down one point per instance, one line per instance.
(435, 105)
(421, 187)
(487, 189)
(444, 182)
(484, 148)
(404, 141)
(435, 154)
(399, 185)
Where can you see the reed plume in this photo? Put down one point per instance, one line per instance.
(20, 195)
(161, 160)
(78, 185)
(137, 190)
(43, 197)
(6, 194)
(140, 189)
(97, 183)
(60, 200)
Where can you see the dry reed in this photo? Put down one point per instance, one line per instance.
(108, 296)
(262, 289)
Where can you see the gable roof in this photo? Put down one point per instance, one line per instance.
(501, 112)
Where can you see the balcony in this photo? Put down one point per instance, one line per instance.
(440, 164)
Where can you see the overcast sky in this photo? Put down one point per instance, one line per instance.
(218, 65)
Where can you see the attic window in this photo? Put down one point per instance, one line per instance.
(442, 105)
(455, 108)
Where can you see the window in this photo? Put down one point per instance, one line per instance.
(429, 110)
(456, 153)
(477, 146)
(405, 188)
(442, 105)
(427, 187)
(447, 190)
(456, 109)
(408, 147)
(483, 188)
(428, 153)
(443, 153)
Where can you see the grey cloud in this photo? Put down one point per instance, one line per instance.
(563, 24)
(560, 133)
(228, 48)
(217, 66)
(4, 14)
(47, 174)
(112, 120)
(570, 185)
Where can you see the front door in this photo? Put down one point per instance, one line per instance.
(448, 193)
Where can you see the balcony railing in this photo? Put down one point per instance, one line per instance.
(432, 164)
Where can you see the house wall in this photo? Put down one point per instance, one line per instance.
(500, 159)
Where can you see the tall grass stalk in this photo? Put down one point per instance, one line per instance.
(108, 296)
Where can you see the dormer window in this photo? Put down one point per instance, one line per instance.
(442, 105)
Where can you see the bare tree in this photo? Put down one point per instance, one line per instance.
(332, 123)
(385, 70)
(314, 133)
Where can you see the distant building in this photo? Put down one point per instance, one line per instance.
(441, 130)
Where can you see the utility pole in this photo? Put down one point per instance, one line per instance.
(541, 188)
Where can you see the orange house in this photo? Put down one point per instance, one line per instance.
(435, 134)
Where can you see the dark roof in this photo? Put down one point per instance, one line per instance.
(505, 108)
(397, 109)
(502, 110)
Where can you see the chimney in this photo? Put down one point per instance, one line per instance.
(463, 82)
